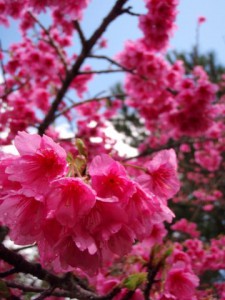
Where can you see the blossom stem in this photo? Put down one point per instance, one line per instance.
(135, 167)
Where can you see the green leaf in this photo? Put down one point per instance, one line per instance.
(80, 163)
(133, 281)
(4, 290)
(168, 252)
(69, 158)
(81, 147)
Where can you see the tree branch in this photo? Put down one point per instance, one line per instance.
(171, 144)
(2, 67)
(86, 49)
(12, 90)
(149, 151)
(132, 71)
(50, 41)
(85, 102)
(80, 32)
(112, 61)
(33, 289)
(128, 295)
(128, 11)
(24, 248)
(101, 71)
(7, 273)
(68, 283)
(45, 294)
(152, 270)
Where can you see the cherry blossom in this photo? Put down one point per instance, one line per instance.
(103, 224)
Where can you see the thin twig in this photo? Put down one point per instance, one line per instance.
(113, 62)
(12, 90)
(33, 289)
(128, 295)
(80, 32)
(152, 270)
(66, 283)
(150, 151)
(51, 41)
(170, 144)
(101, 71)
(128, 11)
(24, 248)
(85, 102)
(73, 72)
(45, 294)
(132, 71)
(3, 70)
(7, 273)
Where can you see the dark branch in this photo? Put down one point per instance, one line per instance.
(7, 273)
(149, 151)
(86, 49)
(87, 101)
(129, 11)
(26, 267)
(33, 289)
(152, 270)
(113, 62)
(45, 294)
(24, 248)
(171, 144)
(50, 41)
(2, 66)
(128, 295)
(12, 90)
(80, 32)
(68, 283)
(102, 71)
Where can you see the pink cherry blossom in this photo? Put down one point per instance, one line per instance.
(40, 161)
(6, 185)
(109, 221)
(210, 159)
(167, 296)
(70, 255)
(157, 24)
(181, 283)
(69, 199)
(187, 227)
(109, 179)
(16, 211)
(161, 177)
(105, 218)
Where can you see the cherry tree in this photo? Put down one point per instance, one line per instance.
(102, 225)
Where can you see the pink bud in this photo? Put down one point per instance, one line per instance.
(201, 20)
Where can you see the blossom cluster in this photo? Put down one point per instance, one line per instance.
(85, 209)
(181, 269)
(188, 112)
(178, 279)
(174, 106)
(28, 98)
(81, 220)
(158, 23)
(17, 8)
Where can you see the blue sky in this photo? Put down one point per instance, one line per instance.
(212, 35)
(212, 32)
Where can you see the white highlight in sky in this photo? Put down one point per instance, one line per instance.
(122, 148)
